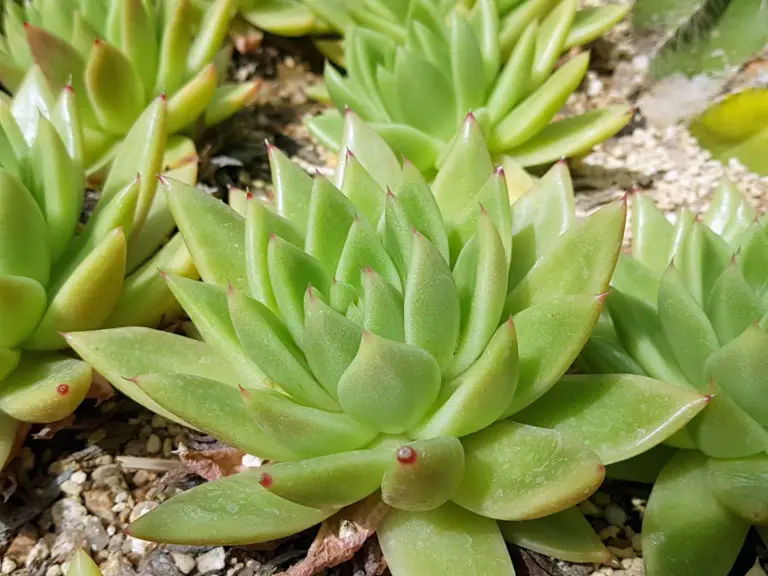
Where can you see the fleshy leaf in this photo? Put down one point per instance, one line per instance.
(700, 260)
(519, 472)
(512, 82)
(190, 102)
(212, 33)
(686, 530)
(423, 475)
(389, 385)
(330, 216)
(550, 41)
(565, 535)
(382, 307)
(644, 412)
(468, 71)
(732, 305)
(22, 305)
(292, 188)
(45, 388)
(590, 245)
(371, 150)
(739, 484)
(435, 542)
(363, 248)
(652, 234)
(232, 510)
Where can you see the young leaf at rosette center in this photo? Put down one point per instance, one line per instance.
(87, 296)
(382, 307)
(565, 535)
(645, 412)
(652, 234)
(686, 327)
(423, 475)
(22, 305)
(740, 485)
(331, 341)
(122, 353)
(212, 231)
(539, 217)
(419, 204)
(215, 408)
(232, 510)
(486, 300)
(363, 248)
(114, 89)
(82, 565)
(686, 530)
(435, 542)
(371, 150)
(580, 261)
(141, 152)
(291, 272)
(24, 247)
(754, 262)
(45, 388)
(549, 338)
(268, 344)
(432, 309)
(732, 305)
(479, 396)
(206, 305)
(360, 187)
(728, 204)
(308, 432)
(389, 386)
(700, 260)
(464, 171)
(741, 369)
(328, 482)
(518, 472)
(330, 217)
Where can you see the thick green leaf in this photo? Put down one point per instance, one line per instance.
(423, 475)
(700, 259)
(331, 341)
(550, 337)
(139, 41)
(565, 535)
(122, 353)
(268, 344)
(519, 472)
(644, 412)
(173, 48)
(328, 482)
(32, 100)
(382, 307)
(740, 485)
(371, 150)
(550, 41)
(308, 432)
(292, 188)
(213, 232)
(512, 83)
(729, 213)
(590, 246)
(233, 510)
(191, 100)
(360, 187)
(212, 33)
(435, 542)
(364, 249)
(732, 305)
(592, 22)
(22, 305)
(484, 19)
(686, 530)
(754, 262)
(652, 234)
(479, 396)
(82, 565)
(636, 279)
(330, 217)
(467, 66)
(45, 388)
(389, 385)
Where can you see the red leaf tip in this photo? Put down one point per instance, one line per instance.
(127, 531)
(163, 97)
(407, 455)
(603, 296)
(390, 194)
(244, 392)
(163, 179)
(272, 236)
(265, 480)
(249, 195)
(563, 161)
(65, 335)
(470, 117)
(349, 154)
(368, 270)
(62, 389)
(500, 171)
(482, 209)
(98, 42)
(68, 87)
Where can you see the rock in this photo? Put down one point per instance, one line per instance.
(158, 563)
(116, 565)
(8, 566)
(167, 447)
(211, 561)
(54, 570)
(109, 475)
(79, 477)
(38, 554)
(70, 488)
(141, 508)
(21, 546)
(159, 422)
(68, 514)
(154, 445)
(96, 534)
(141, 478)
(184, 562)
(100, 502)
(615, 515)
(66, 543)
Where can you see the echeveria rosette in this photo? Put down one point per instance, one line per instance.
(119, 56)
(57, 275)
(377, 334)
(691, 307)
(415, 82)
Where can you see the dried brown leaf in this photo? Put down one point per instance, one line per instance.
(245, 37)
(213, 464)
(341, 536)
(50, 430)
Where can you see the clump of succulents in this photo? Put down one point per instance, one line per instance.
(375, 335)
(119, 55)
(690, 306)
(56, 275)
(416, 76)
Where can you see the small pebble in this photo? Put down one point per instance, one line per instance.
(159, 422)
(79, 477)
(589, 509)
(211, 561)
(54, 570)
(8, 566)
(153, 444)
(601, 498)
(615, 515)
(184, 562)
(167, 447)
(141, 478)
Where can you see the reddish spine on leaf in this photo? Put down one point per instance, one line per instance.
(406, 455)
(265, 480)
(62, 389)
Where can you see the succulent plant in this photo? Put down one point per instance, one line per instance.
(377, 334)
(415, 81)
(690, 306)
(56, 275)
(82, 565)
(120, 55)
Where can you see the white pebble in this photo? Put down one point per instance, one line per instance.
(210, 561)
(184, 562)
(153, 444)
(615, 515)
(79, 477)
(8, 566)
